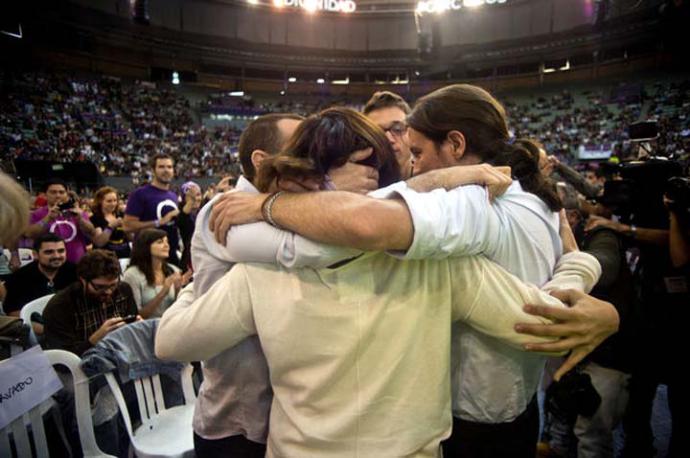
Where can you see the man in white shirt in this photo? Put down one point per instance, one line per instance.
(231, 412)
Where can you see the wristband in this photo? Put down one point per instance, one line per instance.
(633, 231)
(157, 223)
(267, 209)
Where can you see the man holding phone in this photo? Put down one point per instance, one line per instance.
(82, 314)
(63, 217)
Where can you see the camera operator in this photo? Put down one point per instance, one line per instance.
(63, 217)
(661, 276)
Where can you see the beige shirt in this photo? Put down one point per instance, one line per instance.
(359, 355)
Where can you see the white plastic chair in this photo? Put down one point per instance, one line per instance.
(33, 420)
(37, 305)
(26, 256)
(163, 432)
(124, 263)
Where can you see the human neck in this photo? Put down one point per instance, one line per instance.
(157, 264)
(160, 185)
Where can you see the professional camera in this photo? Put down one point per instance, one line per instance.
(637, 198)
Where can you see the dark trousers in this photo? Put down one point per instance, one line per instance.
(515, 439)
(228, 447)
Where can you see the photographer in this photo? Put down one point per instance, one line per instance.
(660, 321)
(63, 217)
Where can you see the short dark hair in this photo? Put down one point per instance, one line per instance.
(385, 99)
(48, 237)
(262, 134)
(158, 156)
(98, 263)
(54, 181)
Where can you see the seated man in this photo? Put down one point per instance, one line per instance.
(80, 315)
(49, 273)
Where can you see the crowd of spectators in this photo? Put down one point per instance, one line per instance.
(119, 125)
(600, 119)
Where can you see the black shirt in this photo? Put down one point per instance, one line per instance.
(118, 242)
(29, 283)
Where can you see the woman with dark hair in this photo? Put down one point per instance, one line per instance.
(106, 217)
(155, 283)
(327, 141)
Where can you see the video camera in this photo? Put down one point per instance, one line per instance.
(637, 197)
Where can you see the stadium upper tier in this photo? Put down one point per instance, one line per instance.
(240, 39)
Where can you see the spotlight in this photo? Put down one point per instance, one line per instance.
(320, 81)
(292, 79)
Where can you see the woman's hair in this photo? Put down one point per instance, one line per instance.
(326, 140)
(99, 197)
(14, 209)
(141, 254)
(482, 120)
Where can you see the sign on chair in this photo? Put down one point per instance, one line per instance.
(26, 380)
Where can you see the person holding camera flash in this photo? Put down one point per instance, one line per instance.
(63, 217)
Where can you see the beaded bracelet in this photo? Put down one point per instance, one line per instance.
(267, 208)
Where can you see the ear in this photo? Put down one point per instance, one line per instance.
(457, 142)
(257, 157)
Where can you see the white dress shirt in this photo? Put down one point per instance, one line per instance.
(492, 383)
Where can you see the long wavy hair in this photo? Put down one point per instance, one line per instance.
(326, 140)
(141, 254)
(482, 120)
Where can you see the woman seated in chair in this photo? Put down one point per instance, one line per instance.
(154, 282)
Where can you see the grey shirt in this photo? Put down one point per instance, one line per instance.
(144, 293)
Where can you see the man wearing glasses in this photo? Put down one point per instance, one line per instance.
(388, 111)
(80, 315)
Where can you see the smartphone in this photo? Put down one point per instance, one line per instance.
(129, 319)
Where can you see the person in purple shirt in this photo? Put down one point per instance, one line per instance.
(63, 217)
(155, 205)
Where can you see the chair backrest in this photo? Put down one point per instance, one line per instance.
(124, 263)
(26, 256)
(33, 418)
(150, 396)
(37, 305)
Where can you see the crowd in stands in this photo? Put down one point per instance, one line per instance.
(115, 125)
(119, 125)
